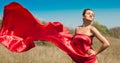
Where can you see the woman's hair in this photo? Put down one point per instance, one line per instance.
(86, 10)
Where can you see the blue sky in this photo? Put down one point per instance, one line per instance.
(107, 12)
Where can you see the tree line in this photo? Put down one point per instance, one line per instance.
(114, 32)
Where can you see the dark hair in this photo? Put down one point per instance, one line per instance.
(86, 10)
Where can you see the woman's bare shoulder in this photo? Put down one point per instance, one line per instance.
(78, 27)
(95, 31)
(93, 28)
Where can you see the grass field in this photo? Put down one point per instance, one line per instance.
(52, 54)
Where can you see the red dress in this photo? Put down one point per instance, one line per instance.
(20, 28)
(82, 43)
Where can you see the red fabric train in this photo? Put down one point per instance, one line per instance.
(20, 28)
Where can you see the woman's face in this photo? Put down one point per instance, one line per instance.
(88, 16)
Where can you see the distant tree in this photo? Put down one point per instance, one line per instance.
(71, 30)
(0, 22)
(115, 32)
(43, 21)
(102, 28)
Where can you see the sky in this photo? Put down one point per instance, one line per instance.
(69, 12)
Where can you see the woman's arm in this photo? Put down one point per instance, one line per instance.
(102, 39)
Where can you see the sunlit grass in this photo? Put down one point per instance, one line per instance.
(111, 54)
(52, 54)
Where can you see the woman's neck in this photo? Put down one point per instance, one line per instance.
(85, 24)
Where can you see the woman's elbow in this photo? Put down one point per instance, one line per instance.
(107, 45)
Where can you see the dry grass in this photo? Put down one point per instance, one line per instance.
(39, 54)
(112, 54)
(52, 54)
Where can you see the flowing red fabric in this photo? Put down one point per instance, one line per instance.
(20, 29)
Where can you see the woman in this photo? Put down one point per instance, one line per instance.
(87, 29)
(20, 29)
